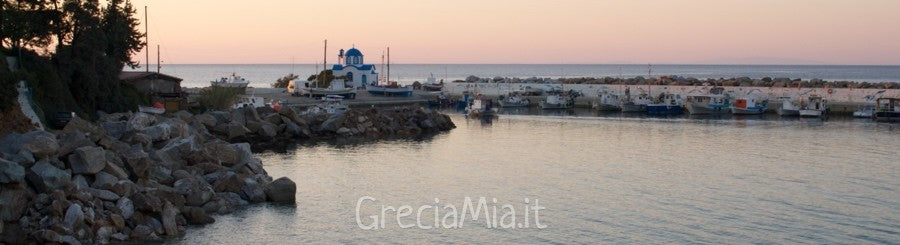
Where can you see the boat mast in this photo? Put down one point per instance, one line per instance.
(381, 77)
(158, 63)
(389, 65)
(324, 63)
(649, 75)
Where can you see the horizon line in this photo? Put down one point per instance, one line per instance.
(628, 64)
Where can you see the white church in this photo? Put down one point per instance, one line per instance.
(357, 72)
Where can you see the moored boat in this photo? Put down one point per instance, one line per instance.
(557, 101)
(789, 107)
(481, 107)
(232, 81)
(816, 106)
(634, 103)
(432, 85)
(887, 110)
(514, 99)
(749, 105)
(607, 101)
(666, 104)
(714, 102)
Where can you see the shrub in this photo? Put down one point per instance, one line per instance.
(218, 97)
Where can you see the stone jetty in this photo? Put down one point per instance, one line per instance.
(137, 176)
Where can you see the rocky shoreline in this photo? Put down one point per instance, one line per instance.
(137, 176)
(778, 82)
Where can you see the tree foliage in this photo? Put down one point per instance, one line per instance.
(284, 81)
(83, 44)
(218, 97)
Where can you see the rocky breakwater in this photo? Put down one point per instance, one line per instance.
(267, 129)
(128, 177)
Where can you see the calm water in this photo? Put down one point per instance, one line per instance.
(263, 75)
(602, 178)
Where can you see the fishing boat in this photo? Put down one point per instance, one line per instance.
(607, 101)
(514, 99)
(815, 107)
(431, 84)
(557, 101)
(714, 102)
(330, 104)
(481, 107)
(887, 110)
(249, 101)
(749, 105)
(867, 110)
(388, 87)
(666, 104)
(789, 107)
(634, 103)
(232, 81)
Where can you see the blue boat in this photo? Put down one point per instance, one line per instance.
(668, 104)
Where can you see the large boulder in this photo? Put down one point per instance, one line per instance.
(139, 121)
(196, 216)
(158, 132)
(207, 120)
(268, 130)
(230, 183)
(88, 160)
(126, 207)
(114, 129)
(42, 146)
(11, 172)
(74, 216)
(223, 153)
(45, 177)
(282, 190)
(12, 204)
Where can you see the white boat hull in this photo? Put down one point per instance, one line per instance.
(545, 105)
(747, 111)
(788, 112)
(811, 113)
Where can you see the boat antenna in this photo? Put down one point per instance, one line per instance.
(146, 39)
(649, 75)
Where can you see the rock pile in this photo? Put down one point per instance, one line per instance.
(267, 129)
(133, 176)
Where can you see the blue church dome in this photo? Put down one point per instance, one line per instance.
(353, 57)
(353, 52)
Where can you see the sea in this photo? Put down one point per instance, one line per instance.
(262, 75)
(584, 177)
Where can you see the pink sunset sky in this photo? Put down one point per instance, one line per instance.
(864, 32)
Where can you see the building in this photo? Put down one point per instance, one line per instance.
(158, 87)
(352, 66)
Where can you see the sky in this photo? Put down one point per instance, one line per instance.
(838, 32)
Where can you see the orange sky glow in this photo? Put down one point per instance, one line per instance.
(864, 32)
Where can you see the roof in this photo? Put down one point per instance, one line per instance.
(133, 76)
(353, 52)
(358, 67)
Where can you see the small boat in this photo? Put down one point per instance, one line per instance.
(865, 111)
(481, 107)
(232, 81)
(514, 99)
(249, 101)
(635, 104)
(392, 89)
(887, 110)
(557, 101)
(749, 105)
(432, 85)
(388, 87)
(815, 107)
(714, 102)
(607, 101)
(789, 107)
(667, 104)
(330, 104)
